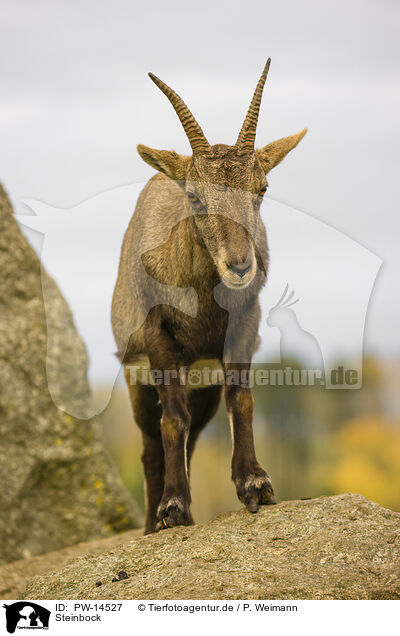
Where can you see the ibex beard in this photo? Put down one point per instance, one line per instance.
(215, 247)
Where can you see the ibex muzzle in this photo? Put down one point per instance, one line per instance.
(217, 249)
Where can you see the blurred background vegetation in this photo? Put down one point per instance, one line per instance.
(312, 442)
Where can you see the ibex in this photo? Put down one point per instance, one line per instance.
(215, 254)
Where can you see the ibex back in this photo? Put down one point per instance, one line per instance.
(193, 261)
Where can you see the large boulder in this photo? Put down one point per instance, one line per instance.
(58, 486)
(341, 547)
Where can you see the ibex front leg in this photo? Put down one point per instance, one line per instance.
(165, 356)
(253, 485)
(174, 508)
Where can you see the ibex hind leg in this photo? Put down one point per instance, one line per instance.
(147, 413)
(203, 405)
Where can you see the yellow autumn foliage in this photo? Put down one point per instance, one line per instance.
(364, 457)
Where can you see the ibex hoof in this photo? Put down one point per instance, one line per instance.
(255, 490)
(173, 512)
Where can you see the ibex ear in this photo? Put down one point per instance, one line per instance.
(168, 161)
(273, 153)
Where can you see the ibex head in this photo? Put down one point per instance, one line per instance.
(224, 185)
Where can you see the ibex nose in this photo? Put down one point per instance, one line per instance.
(240, 269)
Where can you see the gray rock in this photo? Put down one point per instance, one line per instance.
(58, 486)
(341, 547)
(15, 575)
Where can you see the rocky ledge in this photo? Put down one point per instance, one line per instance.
(340, 547)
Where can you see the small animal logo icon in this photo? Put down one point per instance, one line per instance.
(26, 615)
(296, 344)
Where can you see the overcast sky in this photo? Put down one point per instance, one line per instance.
(75, 101)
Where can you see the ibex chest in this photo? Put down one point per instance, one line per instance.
(203, 334)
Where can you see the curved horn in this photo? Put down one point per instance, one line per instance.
(247, 135)
(192, 129)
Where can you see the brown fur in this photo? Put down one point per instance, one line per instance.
(193, 261)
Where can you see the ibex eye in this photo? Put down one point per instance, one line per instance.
(262, 192)
(193, 199)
